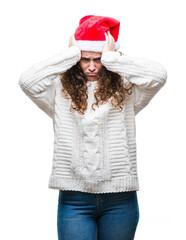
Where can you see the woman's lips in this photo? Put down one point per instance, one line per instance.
(91, 74)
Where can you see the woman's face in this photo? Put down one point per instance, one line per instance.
(90, 63)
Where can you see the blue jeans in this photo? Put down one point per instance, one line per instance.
(92, 216)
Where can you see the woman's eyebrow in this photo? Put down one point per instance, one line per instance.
(98, 58)
(84, 58)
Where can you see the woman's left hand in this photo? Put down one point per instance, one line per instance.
(109, 43)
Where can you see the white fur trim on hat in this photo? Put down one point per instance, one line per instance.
(94, 46)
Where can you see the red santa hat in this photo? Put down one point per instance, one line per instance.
(90, 33)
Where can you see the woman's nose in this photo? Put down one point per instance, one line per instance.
(91, 66)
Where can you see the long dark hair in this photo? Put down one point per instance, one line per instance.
(110, 85)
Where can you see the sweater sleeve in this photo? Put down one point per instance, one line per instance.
(147, 76)
(39, 81)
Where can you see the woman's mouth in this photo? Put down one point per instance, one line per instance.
(91, 74)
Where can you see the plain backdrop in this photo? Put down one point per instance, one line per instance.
(34, 30)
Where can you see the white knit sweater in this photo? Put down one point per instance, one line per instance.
(94, 152)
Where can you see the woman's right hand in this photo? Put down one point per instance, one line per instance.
(72, 41)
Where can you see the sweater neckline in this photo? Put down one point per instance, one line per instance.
(92, 83)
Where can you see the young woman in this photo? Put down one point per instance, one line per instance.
(93, 92)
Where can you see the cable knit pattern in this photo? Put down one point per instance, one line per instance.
(94, 152)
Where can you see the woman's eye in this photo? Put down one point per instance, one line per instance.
(85, 59)
(98, 60)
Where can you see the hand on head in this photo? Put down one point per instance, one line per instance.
(109, 42)
(72, 41)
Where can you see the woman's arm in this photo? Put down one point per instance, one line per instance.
(38, 81)
(148, 76)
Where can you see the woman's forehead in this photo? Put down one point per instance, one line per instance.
(89, 54)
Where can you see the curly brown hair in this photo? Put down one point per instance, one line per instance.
(109, 85)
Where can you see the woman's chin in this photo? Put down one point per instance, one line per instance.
(92, 78)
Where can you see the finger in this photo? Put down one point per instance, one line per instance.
(106, 36)
(112, 41)
(107, 39)
(111, 37)
(73, 37)
(69, 42)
